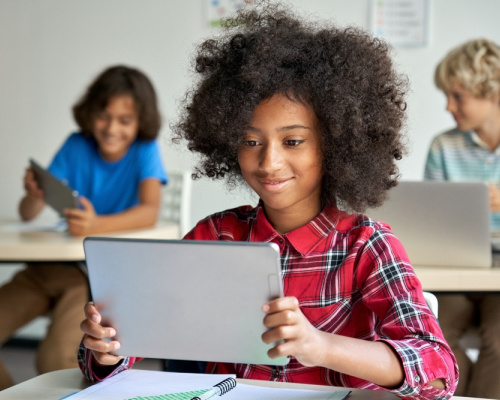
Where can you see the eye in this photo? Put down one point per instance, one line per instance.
(127, 121)
(293, 143)
(250, 143)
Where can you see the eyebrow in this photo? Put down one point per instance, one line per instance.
(282, 129)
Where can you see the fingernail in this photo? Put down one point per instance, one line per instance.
(117, 345)
(112, 332)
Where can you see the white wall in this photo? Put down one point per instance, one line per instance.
(51, 49)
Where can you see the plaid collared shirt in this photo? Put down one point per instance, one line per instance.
(352, 277)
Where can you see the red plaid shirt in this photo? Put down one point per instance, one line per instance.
(352, 277)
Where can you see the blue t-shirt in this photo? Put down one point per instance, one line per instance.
(112, 187)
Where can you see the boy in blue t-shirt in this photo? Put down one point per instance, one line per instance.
(114, 164)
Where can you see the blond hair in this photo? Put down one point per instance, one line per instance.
(474, 65)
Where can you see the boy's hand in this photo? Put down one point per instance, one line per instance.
(94, 335)
(82, 222)
(302, 340)
(494, 198)
(30, 185)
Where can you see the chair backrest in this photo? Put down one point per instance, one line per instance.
(432, 302)
(176, 200)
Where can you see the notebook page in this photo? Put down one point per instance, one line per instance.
(155, 385)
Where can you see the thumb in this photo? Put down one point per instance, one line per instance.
(86, 203)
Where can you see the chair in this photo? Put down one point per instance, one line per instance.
(176, 200)
(470, 342)
(432, 302)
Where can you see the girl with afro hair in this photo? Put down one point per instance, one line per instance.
(310, 116)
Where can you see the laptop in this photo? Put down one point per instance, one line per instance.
(56, 194)
(186, 300)
(440, 223)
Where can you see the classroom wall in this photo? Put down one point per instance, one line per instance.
(51, 49)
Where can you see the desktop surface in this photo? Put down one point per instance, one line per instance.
(58, 384)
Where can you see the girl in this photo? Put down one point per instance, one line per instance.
(114, 163)
(310, 117)
(469, 76)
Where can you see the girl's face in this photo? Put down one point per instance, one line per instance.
(472, 113)
(281, 159)
(116, 127)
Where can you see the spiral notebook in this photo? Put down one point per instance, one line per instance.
(137, 384)
(186, 300)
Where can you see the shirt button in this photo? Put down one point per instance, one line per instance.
(417, 378)
(280, 240)
(276, 373)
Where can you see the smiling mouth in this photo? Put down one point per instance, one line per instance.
(275, 184)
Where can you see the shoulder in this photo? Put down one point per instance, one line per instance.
(231, 224)
(78, 140)
(450, 138)
(145, 146)
(375, 248)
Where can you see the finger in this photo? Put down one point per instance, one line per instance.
(100, 346)
(106, 358)
(278, 334)
(97, 331)
(85, 203)
(280, 350)
(74, 213)
(280, 304)
(92, 313)
(285, 317)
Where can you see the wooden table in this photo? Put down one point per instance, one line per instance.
(455, 279)
(20, 243)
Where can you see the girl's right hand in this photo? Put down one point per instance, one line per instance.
(30, 185)
(98, 338)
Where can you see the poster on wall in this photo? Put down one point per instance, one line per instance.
(216, 10)
(403, 23)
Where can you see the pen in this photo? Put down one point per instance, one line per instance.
(218, 390)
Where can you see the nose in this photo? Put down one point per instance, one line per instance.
(271, 157)
(112, 126)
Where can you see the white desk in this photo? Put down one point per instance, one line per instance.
(57, 384)
(450, 279)
(23, 245)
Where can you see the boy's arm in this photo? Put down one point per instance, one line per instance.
(85, 221)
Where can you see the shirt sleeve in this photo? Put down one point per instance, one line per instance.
(434, 165)
(62, 161)
(392, 291)
(152, 164)
(96, 374)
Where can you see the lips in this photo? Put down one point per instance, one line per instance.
(275, 184)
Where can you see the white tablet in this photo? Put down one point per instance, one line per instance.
(186, 300)
(56, 194)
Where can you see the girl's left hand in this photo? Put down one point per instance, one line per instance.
(84, 221)
(302, 340)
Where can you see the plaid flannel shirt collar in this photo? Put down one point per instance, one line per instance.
(308, 237)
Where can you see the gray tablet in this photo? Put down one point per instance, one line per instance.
(57, 195)
(186, 300)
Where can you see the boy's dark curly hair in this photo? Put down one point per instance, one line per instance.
(346, 75)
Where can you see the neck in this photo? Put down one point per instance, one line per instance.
(489, 132)
(284, 221)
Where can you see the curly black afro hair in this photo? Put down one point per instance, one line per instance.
(346, 75)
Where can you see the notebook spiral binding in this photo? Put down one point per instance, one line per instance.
(226, 385)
